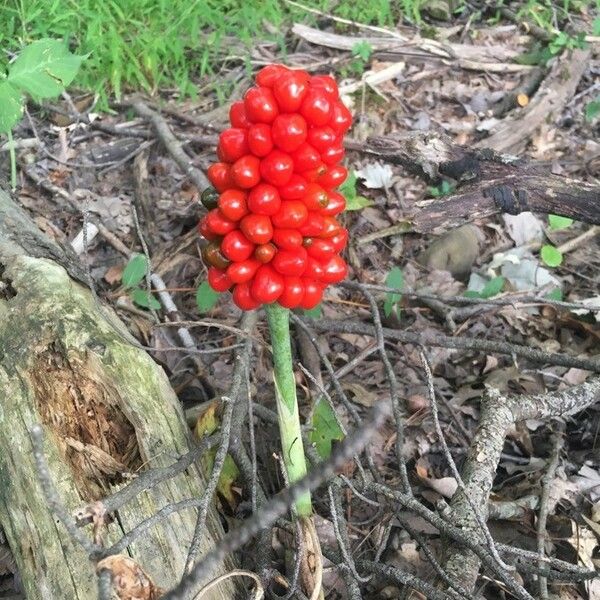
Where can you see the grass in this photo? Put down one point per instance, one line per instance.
(160, 44)
(185, 44)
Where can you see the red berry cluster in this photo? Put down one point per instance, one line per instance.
(271, 222)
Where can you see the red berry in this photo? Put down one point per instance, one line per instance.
(219, 224)
(294, 189)
(236, 246)
(321, 138)
(264, 200)
(232, 204)
(313, 226)
(218, 280)
(245, 171)
(320, 249)
(336, 204)
(316, 107)
(290, 262)
(287, 239)
(315, 198)
(316, 173)
(289, 132)
(265, 252)
(240, 272)
(205, 231)
(213, 257)
(219, 175)
(290, 90)
(334, 269)
(260, 140)
(267, 285)
(277, 168)
(313, 292)
(293, 292)
(330, 227)
(333, 154)
(314, 269)
(260, 105)
(334, 177)
(305, 158)
(292, 214)
(257, 228)
(237, 115)
(341, 119)
(268, 75)
(242, 297)
(327, 84)
(339, 240)
(232, 144)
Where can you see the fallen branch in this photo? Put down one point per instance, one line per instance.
(498, 413)
(488, 182)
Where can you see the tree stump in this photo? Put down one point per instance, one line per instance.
(107, 411)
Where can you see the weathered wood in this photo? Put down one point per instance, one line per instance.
(488, 182)
(107, 410)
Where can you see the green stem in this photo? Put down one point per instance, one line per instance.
(287, 403)
(13, 160)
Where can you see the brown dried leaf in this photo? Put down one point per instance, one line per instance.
(130, 581)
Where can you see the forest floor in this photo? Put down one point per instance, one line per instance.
(117, 173)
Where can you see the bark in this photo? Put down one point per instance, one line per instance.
(487, 182)
(107, 411)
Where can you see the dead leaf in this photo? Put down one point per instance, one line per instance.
(130, 581)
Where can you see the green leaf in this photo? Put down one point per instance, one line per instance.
(558, 222)
(592, 110)
(551, 256)
(357, 203)
(44, 68)
(11, 106)
(348, 188)
(472, 294)
(325, 428)
(145, 299)
(363, 50)
(596, 26)
(395, 279)
(492, 288)
(314, 313)
(206, 297)
(555, 294)
(135, 271)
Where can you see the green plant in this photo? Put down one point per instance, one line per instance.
(206, 297)
(443, 189)
(564, 41)
(134, 273)
(492, 288)
(557, 222)
(592, 110)
(394, 279)
(551, 256)
(42, 70)
(325, 428)
(348, 190)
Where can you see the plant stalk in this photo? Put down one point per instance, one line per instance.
(292, 447)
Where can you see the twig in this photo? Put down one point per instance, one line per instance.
(259, 591)
(172, 144)
(278, 505)
(557, 441)
(433, 339)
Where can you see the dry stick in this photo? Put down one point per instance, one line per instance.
(498, 413)
(341, 530)
(434, 339)
(172, 144)
(547, 481)
(513, 300)
(227, 426)
(438, 428)
(105, 586)
(279, 504)
(398, 410)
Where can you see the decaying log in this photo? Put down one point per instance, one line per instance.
(107, 411)
(487, 182)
